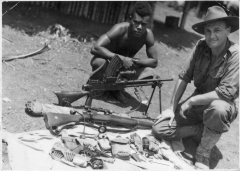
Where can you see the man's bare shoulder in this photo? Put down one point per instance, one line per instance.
(118, 30)
(149, 37)
(149, 31)
(121, 27)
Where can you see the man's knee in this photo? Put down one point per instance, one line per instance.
(223, 108)
(148, 73)
(219, 106)
(97, 62)
(163, 131)
(219, 115)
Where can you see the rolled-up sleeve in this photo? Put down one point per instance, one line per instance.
(186, 73)
(228, 88)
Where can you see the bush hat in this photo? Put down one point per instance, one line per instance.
(216, 13)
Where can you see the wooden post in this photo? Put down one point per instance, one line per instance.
(69, 7)
(43, 3)
(108, 12)
(89, 13)
(125, 11)
(199, 11)
(112, 13)
(73, 7)
(94, 11)
(151, 21)
(53, 5)
(65, 6)
(185, 13)
(120, 15)
(130, 4)
(86, 9)
(104, 12)
(82, 8)
(77, 8)
(99, 11)
(117, 10)
(47, 4)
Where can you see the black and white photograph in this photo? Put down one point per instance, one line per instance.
(120, 85)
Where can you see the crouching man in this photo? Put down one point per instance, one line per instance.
(125, 40)
(214, 68)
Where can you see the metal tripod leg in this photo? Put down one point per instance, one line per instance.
(154, 87)
(160, 98)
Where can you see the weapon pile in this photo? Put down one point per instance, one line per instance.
(75, 152)
(113, 79)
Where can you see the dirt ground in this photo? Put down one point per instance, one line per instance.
(66, 67)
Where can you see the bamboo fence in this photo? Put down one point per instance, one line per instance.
(109, 12)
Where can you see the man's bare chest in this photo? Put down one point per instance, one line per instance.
(128, 47)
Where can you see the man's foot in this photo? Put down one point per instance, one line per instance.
(119, 96)
(208, 141)
(202, 158)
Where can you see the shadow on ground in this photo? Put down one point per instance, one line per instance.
(133, 102)
(190, 148)
(175, 38)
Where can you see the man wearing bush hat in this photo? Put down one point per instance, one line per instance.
(214, 68)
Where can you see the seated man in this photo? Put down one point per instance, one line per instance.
(214, 68)
(125, 40)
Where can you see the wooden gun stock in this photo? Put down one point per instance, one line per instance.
(69, 96)
(53, 120)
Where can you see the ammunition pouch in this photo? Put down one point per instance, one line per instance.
(104, 142)
(121, 148)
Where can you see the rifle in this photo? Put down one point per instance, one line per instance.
(55, 120)
(114, 79)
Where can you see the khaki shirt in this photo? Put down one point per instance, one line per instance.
(221, 75)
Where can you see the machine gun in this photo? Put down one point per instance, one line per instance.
(54, 120)
(113, 79)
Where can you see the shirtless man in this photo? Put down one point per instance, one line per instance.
(125, 40)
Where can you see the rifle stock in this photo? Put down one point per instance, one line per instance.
(53, 120)
(65, 97)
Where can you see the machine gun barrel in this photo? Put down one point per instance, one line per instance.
(97, 85)
(65, 98)
(143, 81)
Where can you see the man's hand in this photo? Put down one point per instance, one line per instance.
(127, 62)
(166, 114)
(185, 106)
